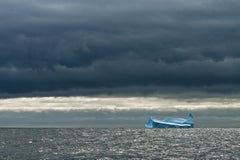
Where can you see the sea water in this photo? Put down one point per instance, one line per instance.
(118, 143)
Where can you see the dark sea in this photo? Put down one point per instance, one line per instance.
(118, 143)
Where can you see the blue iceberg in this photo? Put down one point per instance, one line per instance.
(170, 122)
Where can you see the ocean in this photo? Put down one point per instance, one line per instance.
(118, 143)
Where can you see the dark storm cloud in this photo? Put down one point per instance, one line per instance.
(58, 45)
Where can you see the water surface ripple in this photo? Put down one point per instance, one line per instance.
(119, 143)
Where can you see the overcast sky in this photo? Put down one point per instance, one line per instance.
(115, 112)
(77, 47)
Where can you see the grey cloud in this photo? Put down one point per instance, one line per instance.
(221, 118)
(59, 45)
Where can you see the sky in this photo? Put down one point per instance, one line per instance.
(119, 49)
(88, 47)
(133, 112)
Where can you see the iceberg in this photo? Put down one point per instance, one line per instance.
(170, 122)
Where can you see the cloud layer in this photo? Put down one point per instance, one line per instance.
(158, 104)
(115, 111)
(51, 46)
